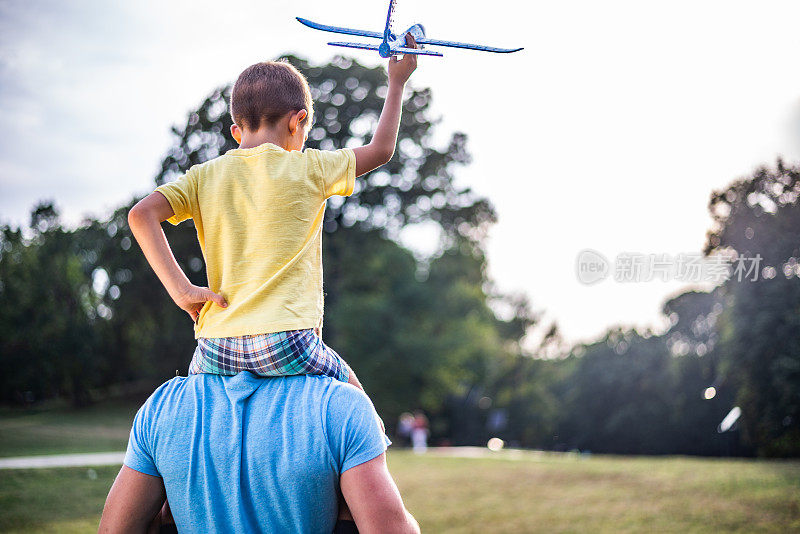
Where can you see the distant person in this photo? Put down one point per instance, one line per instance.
(248, 454)
(258, 210)
(419, 433)
(405, 424)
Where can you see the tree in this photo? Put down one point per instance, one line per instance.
(150, 337)
(618, 397)
(51, 318)
(415, 341)
(758, 217)
(696, 366)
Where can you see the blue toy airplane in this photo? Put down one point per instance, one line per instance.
(395, 44)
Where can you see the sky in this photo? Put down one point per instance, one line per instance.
(607, 133)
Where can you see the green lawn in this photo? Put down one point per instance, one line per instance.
(549, 493)
(100, 428)
(529, 493)
(506, 492)
(53, 500)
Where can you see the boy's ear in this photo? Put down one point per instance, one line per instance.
(296, 119)
(236, 132)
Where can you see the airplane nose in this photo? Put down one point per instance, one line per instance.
(383, 50)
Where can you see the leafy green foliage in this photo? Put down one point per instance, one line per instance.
(49, 309)
(629, 395)
(760, 327)
(413, 341)
(150, 336)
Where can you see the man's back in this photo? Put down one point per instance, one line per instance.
(248, 454)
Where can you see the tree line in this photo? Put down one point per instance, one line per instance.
(82, 315)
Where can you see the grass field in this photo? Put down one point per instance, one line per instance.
(104, 427)
(504, 492)
(599, 494)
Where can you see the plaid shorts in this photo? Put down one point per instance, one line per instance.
(296, 352)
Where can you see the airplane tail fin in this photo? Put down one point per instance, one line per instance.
(399, 50)
(417, 51)
(362, 46)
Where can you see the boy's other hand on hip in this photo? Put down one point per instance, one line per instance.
(193, 298)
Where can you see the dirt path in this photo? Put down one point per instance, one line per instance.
(62, 460)
(115, 458)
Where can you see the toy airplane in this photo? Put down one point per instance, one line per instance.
(395, 44)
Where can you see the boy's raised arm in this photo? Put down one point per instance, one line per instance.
(381, 149)
(145, 220)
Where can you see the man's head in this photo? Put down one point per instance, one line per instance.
(268, 94)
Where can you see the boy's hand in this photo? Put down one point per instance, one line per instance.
(192, 299)
(400, 69)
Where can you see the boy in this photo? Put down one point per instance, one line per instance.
(258, 211)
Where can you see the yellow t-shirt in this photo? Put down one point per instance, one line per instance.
(258, 213)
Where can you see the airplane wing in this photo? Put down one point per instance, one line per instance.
(455, 44)
(417, 51)
(399, 50)
(336, 29)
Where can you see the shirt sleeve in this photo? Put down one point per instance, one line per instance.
(352, 427)
(182, 196)
(335, 170)
(139, 456)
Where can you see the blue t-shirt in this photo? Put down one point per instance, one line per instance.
(248, 454)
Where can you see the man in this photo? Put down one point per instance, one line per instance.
(247, 454)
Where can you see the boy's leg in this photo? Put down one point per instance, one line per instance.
(163, 523)
(217, 356)
(344, 510)
(351, 375)
(294, 352)
(344, 522)
(345, 526)
(288, 353)
(323, 360)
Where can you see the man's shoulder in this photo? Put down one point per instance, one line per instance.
(162, 395)
(346, 393)
(326, 391)
(346, 404)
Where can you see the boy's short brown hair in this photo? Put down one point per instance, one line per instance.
(266, 92)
